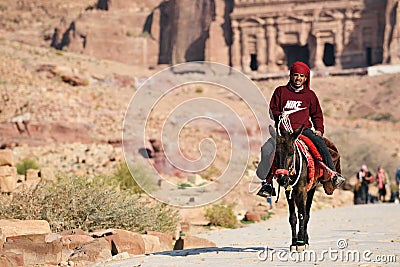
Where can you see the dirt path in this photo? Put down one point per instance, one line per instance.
(363, 235)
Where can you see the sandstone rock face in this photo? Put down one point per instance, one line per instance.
(255, 36)
(220, 34)
(191, 26)
(391, 44)
(121, 38)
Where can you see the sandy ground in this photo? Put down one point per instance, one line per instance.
(363, 235)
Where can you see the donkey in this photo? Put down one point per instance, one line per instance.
(292, 174)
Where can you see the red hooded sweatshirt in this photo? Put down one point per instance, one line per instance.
(303, 105)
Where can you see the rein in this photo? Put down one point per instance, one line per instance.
(284, 120)
(291, 172)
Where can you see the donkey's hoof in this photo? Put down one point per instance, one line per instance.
(300, 248)
(293, 247)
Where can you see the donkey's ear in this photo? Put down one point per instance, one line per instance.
(297, 132)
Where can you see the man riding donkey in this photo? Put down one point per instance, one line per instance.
(294, 106)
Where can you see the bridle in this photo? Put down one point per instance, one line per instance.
(291, 171)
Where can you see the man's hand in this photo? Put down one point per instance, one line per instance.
(318, 133)
(284, 115)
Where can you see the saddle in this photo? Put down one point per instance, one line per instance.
(315, 168)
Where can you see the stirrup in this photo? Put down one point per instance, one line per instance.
(267, 190)
(338, 180)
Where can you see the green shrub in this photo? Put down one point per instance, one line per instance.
(77, 202)
(26, 164)
(267, 216)
(122, 179)
(246, 222)
(184, 185)
(221, 215)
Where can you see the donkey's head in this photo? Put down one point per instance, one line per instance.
(285, 156)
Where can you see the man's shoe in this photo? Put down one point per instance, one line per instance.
(338, 180)
(267, 190)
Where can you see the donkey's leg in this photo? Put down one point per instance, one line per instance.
(310, 195)
(301, 199)
(292, 221)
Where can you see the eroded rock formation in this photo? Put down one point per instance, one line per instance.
(255, 36)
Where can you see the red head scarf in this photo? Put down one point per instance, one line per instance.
(302, 68)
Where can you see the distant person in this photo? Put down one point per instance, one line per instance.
(364, 176)
(357, 192)
(398, 176)
(394, 192)
(381, 180)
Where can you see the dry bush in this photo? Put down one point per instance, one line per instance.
(222, 215)
(89, 205)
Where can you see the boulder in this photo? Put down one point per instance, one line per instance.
(47, 174)
(196, 242)
(74, 80)
(252, 216)
(10, 259)
(165, 240)
(97, 250)
(151, 244)
(75, 241)
(73, 232)
(13, 227)
(35, 253)
(72, 242)
(31, 174)
(6, 157)
(34, 238)
(125, 241)
(52, 237)
(8, 179)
